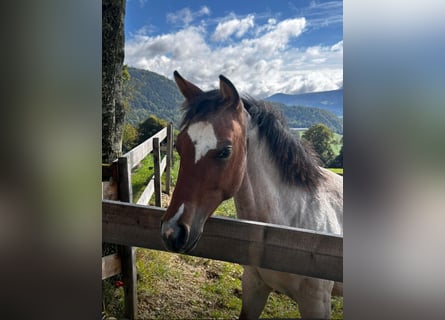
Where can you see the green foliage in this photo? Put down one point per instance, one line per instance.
(149, 127)
(127, 89)
(321, 137)
(112, 299)
(125, 74)
(338, 161)
(130, 138)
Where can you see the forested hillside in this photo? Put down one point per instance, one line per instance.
(149, 93)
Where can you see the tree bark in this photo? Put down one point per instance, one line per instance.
(113, 113)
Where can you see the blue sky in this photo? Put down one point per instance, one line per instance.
(263, 47)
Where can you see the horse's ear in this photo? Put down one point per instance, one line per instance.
(188, 89)
(228, 90)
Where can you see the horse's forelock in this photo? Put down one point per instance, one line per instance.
(201, 107)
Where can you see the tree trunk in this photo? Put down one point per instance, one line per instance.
(113, 113)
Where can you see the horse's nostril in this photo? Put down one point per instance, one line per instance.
(176, 236)
(182, 236)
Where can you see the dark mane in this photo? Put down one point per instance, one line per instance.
(200, 107)
(297, 163)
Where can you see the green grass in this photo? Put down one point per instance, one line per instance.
(202, 288)
(226, 209)
(337, 170)
(141, 176)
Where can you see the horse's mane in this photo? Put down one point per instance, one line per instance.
(297, 162)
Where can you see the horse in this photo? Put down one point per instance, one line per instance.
(233, 146)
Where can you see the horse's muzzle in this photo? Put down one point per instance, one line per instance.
(175, 237)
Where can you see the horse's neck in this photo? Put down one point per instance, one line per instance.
(264, 196)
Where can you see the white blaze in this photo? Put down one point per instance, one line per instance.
(177, 214)
(168, 227)
(203, 137)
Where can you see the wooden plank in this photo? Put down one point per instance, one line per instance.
(138, 153)
(111, 265)
(169, 157)
(280, 248)
(148, 193)
(163, 164)
(157, 171)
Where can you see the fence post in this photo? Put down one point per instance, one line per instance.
(168, 177)
(124, 174)
(157, 171)
(128, 255)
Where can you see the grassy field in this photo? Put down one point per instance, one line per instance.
(172, 286)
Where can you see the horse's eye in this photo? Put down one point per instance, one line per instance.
(224, 153)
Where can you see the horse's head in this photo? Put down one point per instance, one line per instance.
(212, 146)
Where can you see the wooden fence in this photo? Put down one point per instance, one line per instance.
(244, 242)
(275, 247)
(117, 176)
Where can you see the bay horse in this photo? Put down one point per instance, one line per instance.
(231, 146)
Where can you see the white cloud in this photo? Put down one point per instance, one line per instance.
(204, 11)
(186, 16)
(233, 26)
(326, 13)
(338, 46)
(260, 65)
(279, 35)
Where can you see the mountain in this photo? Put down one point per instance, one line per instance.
(327, 100)
(305, 117)
(149, 93)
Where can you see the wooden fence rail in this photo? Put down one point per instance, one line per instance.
(264, 245)
(137, 154)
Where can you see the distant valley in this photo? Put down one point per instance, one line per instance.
(327, 100)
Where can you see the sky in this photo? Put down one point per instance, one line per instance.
(263, 46)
